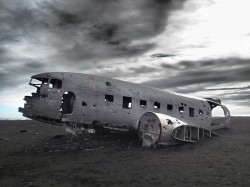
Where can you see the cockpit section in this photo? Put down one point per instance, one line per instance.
(45, 102)
(43, 85)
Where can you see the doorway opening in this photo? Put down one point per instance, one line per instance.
(67, 104)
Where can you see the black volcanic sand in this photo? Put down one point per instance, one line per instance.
(39, 154)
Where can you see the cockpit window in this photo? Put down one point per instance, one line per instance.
(38, 82)
(55, 83)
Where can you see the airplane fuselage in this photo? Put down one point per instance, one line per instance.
(95, 101)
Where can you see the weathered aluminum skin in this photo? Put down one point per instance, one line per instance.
(84, 103)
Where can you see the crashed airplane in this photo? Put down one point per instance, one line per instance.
(92, 103)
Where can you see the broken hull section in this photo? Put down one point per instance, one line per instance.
(158, 129)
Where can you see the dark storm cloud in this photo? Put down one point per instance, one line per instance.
(113, 25)
(11, 77)
(33, 65)
(161, 55)
(67, 19)
(9, 80)
(84, 53)
(235, 97)
(143, 69)
(3, 56)
(169, 66)
(2, 50)
(183, 65)
(230, 88)
(14, 70)
(114, 73)
(7, 56)
(239, 97)
(207, 72)
(18, 21)
(3, 77)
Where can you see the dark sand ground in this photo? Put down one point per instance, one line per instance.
(45, 155)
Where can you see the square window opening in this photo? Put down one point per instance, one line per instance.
(169, 107)
(157, 105)
(55, 83)
(191, 112)
(143, 103)
(109, 98)
(127, 102)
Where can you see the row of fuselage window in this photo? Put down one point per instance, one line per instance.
(127, 104)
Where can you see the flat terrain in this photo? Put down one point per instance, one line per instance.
(39, 154)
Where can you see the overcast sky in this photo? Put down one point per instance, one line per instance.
(200, 48)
